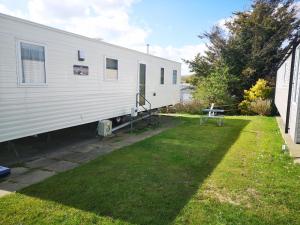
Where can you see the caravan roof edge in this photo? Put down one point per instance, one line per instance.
(5, 16)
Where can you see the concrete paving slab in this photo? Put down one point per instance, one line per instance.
(57, 154)
(39, 163)
(17, 171)
(117, 145)
(134, 138)
(77, 157)
(32, 177)
(84, 149)
(100, 151)
(61, 166)
(294, 149)
(103, 149)
(84, 146)
(8, 187)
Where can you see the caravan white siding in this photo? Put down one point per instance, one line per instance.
(67, 99)
(294, 113)
(281, 94)
(282, 87)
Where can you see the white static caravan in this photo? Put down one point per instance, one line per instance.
(51, 79)
(287, 91)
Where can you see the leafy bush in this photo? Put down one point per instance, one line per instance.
(259, 90)
(215, 87)
(261, 107)
(257, 99)
(193, 107)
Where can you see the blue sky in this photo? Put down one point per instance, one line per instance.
(170, 27)
(179, 22)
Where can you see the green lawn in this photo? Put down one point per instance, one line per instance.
(190, 174)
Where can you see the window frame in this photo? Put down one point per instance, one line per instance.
(19, 64)
(162, 75)
(104, 69)
(176, 81)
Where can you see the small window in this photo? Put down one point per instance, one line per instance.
(111, 69)
(174, 76)
(162, 75)
(32, 64)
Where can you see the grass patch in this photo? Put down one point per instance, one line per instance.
(190, 174)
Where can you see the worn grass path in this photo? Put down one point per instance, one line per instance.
(190, 174)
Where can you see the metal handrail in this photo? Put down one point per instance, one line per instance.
(148, 111)
(137, 101)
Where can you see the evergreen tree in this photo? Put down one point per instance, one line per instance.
(254, 45)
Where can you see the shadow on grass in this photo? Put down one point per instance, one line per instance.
(148, 182)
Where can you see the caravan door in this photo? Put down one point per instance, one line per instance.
(142, 84)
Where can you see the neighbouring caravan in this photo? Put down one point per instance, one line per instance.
(287, 90)
(51, 79)
(186, 93)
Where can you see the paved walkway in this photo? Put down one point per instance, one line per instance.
(46, 165)
(294, 149)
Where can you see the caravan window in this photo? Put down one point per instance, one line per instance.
(111, 69)
(162, 75)
(174, 76)
(32, 63)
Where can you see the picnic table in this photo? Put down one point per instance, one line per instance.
(213, 114)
